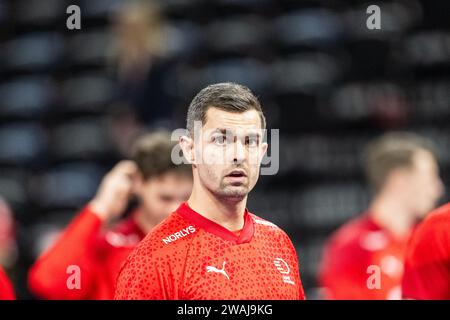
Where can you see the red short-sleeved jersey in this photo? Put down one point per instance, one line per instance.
(6, 289)
(358, 252)
(190, 257)
(427, 264)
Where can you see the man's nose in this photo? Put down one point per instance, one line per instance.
(239, 152)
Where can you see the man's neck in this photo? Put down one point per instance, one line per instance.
(143, 222)
(229, 214)
(390, 214)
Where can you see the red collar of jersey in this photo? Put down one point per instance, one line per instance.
(375, 226)
(210, 226)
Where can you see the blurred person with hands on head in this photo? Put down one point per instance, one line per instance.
(96, 249)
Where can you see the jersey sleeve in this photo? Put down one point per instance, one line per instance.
(295, 263)
(427, 264)
(73, 252)
(6, 288)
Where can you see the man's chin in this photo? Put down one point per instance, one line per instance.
(233, 193)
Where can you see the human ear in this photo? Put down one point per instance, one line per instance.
(187, 145)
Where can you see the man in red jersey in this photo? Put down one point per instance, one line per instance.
(6, 289)
(211, 247)
(85, 261)
(364, 258)
(427, 262)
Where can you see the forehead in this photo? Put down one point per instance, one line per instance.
(424, 159)
(216, 118)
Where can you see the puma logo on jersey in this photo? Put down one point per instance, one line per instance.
(180, 234)
(214, 269)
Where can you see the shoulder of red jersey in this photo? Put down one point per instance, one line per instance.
(426, 264)
(125, 234)
(174, 231)
(268, 226)
(436, 223)
(262, 222)
(359, 233)
(441, 214)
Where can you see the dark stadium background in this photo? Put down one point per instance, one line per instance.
(325, 80)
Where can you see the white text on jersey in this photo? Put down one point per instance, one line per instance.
(180, 234)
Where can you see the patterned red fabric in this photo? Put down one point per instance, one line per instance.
(190, 257)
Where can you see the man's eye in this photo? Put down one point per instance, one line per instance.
(251, 141)
(220, 140)
(166, 198)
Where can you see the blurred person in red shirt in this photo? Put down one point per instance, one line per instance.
(7, 249)
(85, 260)
(364, 258)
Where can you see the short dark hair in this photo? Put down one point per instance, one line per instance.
(227, 96)
(392, 151)
(152, 154)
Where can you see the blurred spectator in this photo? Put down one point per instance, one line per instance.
(141, 63)
(97, 249)
(364, 258)
(123, 128)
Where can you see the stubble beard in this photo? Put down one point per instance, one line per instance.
(230, 192)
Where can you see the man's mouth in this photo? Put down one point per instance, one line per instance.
(237, 174)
